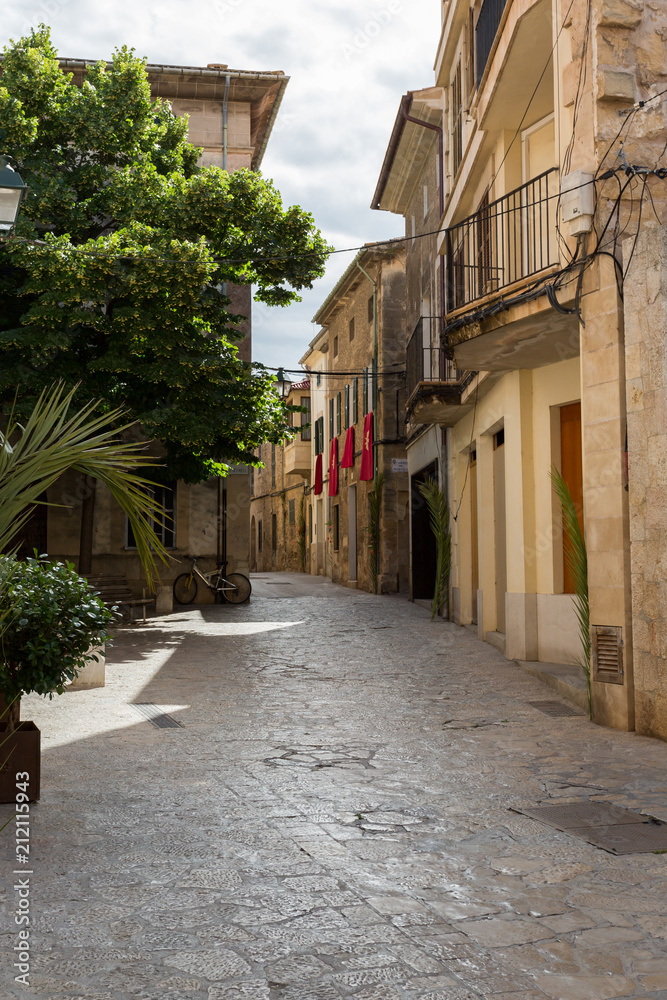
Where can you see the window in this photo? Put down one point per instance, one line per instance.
(319, 435)
(259, 536)
(499, 439)
(338, 413)
(335, 347)
(456, 114)
(164, 528)
(305, 419)
(319, 379)
(364, 390)
(336, 527)
(252, 479)
(292, 512)
(355, 400)
(425, 197)
(347, 407)
(273, 465)
(370, 308)
(274, 533)
(470, 57)
(351, 328)
(331, 418)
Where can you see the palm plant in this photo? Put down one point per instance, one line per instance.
(33, 456)
(439, 518)
(576, 559)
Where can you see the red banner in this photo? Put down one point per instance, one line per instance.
(318, 475)
(367, 449)
(333, 468)
(348, 450)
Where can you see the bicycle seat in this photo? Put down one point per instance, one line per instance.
(222, 563)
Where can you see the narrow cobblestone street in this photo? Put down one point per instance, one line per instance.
(333, 818)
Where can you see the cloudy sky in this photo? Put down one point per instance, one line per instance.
(349, 62)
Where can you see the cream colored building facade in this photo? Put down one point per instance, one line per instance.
(521, 136)
(231, 114)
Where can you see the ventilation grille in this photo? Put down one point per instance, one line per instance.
(607, 654)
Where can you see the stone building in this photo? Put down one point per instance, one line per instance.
(230, 114)
(356, 362)
(540, 136)
(279, 495)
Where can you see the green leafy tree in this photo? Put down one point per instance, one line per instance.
(116, 279)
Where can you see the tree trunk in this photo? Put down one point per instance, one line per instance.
(87, 525)
(10, 716)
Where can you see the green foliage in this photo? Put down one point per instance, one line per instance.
(576, 559)
(374, 513)
(124, 295)
(51, 619)
(439, 519)
(34, 455)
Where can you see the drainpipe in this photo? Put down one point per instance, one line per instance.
(375, 355)
(405, 104)
(225, 108)
(374, 369)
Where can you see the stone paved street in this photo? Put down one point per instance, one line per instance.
(333, 819)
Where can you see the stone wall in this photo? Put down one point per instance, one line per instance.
(645, 309)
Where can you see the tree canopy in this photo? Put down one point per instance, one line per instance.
(115, 280)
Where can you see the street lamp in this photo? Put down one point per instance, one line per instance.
(283, 384)
(12, 191)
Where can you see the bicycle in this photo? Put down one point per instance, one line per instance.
(235, 588)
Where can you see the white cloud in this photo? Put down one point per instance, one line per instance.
(349, 62)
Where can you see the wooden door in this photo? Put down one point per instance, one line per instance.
(572, 470)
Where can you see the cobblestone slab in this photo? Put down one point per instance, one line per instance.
(333, 820)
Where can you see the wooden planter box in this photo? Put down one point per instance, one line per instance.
(19, 752)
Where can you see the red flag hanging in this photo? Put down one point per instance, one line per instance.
(333, 468)
(318, 475)
(348, 450)
(367, 449)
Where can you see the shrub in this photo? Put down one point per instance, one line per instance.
(49, 620)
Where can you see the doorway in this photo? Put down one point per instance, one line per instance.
(253, 546)
(500, 526)
(572, 472)
(352, 533)
(34, 533)
(474, 535)
(424, 555)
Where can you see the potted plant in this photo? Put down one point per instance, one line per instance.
(49, 621)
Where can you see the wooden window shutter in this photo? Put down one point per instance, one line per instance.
(607, 648)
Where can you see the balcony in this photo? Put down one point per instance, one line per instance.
(495, 253)
(504, 242)
(297, 457)
(434, 385)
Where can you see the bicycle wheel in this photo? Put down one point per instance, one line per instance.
(241, 591)
(185, 588)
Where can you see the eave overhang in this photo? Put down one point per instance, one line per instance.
(409, 150)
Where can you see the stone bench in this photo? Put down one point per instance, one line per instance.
(114, 590)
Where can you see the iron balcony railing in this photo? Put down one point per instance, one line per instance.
(486, 29)
(504, 241)
(425, 358)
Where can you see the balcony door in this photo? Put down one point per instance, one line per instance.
(540, 241)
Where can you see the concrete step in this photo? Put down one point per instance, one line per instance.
(565, 678)
(498, 640)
